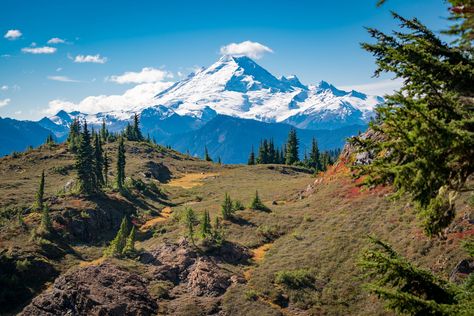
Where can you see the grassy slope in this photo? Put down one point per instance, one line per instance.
(322, 229)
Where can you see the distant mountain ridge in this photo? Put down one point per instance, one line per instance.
(239, 88)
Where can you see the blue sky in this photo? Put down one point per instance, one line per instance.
(164, 40)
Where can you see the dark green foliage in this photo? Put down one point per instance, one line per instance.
(73, 137)
(427, 128)
(117, 245)
(129, 249)
(190, 219)
(106, 166)
(98, 161)
(295, 279)
(206, 155)
(411, 290)
(87, 183)
(50, 140)
(238, 206)
(313, 161)
(291, 154)
(205, 228)
(39, 197)
(120, 176)
(227, 207)
(104, 132)
(46, 225)
(251, 160)
(257, 204)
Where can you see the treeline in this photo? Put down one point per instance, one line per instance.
(269, 153)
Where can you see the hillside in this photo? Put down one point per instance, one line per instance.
(316, 226)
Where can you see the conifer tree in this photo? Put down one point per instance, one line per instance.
(136, 132)
(263, 152)
(39, 197)
(117, 245)
(46, 225)
(206, 154)
(120, 176)
(257, 204)
(190, 220)
(205, 223)
(85, 163)
(291, 155)
(227, 207)
(129, 248)
(49, 140)
(74, 135)
(314, 155)
(106, 169)
(251, 160)
(98, 162)
(104, 132)
(271, 152)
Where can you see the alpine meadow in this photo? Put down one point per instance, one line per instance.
(134, 182)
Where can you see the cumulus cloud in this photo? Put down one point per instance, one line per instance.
(146, 75)
(380, 87)
(250, 49)
(56, 40)
(62, 79)
(13, 34)
(4, 102)
(39, 50)
(96, 59)
(138, 96)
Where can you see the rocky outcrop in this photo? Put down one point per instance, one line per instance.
(96, 290)
(462, 271)
(158, 171)
(207, 279)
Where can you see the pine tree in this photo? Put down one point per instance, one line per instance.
(46, 225)
(227, 207)
(257, 204)
(104, 132)
(106, 169)
(85, 163)
(314, 156)
(74, 135)
(98, 162)
(263, 152)
(190, 220)
(39, 197)
(206, 227)
(291, 155)
(251, 160)
(117, 245)
(427, 125)
(129, 248)
(219, 161)
(206, 154)
(50, 140)
(136, 133)
(271, 152)
(120, 177)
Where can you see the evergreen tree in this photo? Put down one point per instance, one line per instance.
(257, 204)
(136, 133)
(73, 137)
(251, 160)
(85, 163)
(106, 169)
(39, 197)
(291, 154)
(263, 152)
(227, 207)
(104, 132)
(190, 220)
(117, 245)
(219, 161)
(46, 225)
(129, 248)
(271, 152)
(50, 139)
(314, 156)
(120, 177)
(128, 133)
(206, 154)
(427, 125)
(206, 227)
(98, 162)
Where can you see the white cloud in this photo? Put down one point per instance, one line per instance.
(380, 87)
(13, 34)
(138, 96)
(39, 50)
(4, 87)
(62, 79)
(146, 75)
(250, 49)
(4, 102)
(59, 69)
(96, 59)
(56, 40)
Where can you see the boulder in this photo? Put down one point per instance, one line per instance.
(207, 279)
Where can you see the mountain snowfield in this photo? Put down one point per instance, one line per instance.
(239, 87)
(182, 115)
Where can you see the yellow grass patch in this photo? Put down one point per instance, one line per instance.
(191, 180)
(164, 215)
(92, 263)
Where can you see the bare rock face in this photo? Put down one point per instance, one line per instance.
(462, 271)
(207, 279)
(158, 171)
(96, 290)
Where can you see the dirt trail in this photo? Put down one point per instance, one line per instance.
(164, 215)
(191, 180)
